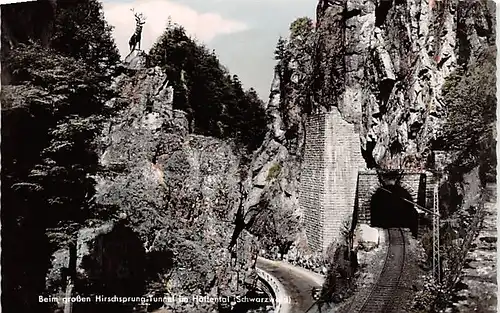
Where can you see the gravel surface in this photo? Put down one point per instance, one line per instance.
(372, 263)
(370, 266)
(413, 276)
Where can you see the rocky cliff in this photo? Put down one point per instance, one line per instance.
(179, 213)
(382, 65)
(178, 190)
(168, 201)
(273, 181)
(118, 197)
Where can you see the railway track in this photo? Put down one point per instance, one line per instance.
(382, 295)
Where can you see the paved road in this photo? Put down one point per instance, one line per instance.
(297, 282)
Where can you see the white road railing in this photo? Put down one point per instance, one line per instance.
(282, 301)
(278, 289)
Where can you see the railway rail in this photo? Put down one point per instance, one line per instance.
(381, 297)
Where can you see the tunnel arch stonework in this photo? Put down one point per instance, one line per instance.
(420, 185)
(370, 181)
(392, 207)
(335, 185)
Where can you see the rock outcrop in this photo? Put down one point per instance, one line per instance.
(191, 211)
(382, 65)
(366, 237)
(177, 190)
(170, 195)
(273, 180)
(136, 60)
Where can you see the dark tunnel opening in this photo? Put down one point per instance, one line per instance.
(389, 210)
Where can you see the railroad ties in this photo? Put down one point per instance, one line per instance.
(383, 293)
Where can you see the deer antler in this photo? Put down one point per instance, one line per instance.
(139, 17)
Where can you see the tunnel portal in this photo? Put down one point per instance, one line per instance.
(389, 210)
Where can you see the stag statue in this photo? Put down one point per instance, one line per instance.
(135, 40)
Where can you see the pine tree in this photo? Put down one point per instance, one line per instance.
(281, 49)
(82, 33)
(215, 101)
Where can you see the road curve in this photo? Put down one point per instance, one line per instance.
(297, 282)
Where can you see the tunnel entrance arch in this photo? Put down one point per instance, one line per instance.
(390, 210)
(418, 188)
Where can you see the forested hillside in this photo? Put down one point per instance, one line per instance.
(56, 81)
(51, 111)
(216, 103)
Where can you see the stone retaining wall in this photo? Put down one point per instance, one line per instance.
(332, 159)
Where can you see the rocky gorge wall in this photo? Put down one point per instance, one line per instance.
(173, 210)
(177, 190)
(392, 59)
(382, 65)
(175, 197)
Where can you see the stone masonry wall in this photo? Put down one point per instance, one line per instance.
(368, 183)
(332, 159)
(343, 160)
(334, 172)
(312, 180)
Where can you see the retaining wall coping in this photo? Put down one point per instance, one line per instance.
(279, 291)
(375, 172)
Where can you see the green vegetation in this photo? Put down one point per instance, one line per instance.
(273, 172)
(52, 109)
(215, 101)
(469, 131)
(280, 53)
(456, 239)
(342, 264)
(301, 27)
(58, 81)
(470, 97)
(81, 32)
(275, 226)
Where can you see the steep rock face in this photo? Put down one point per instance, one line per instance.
(111, 260)
(328, 60)
(273, 181)
(382, 64)
(391, 59)
(175, 190)
(136, 60)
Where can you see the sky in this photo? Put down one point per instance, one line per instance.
(243, 33)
